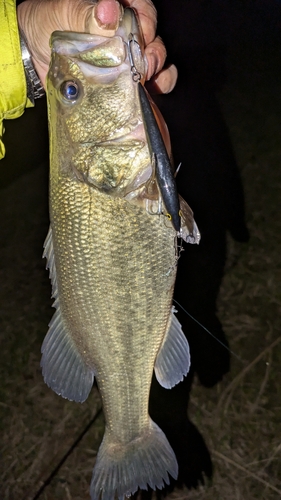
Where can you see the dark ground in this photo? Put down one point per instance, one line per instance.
(230, 87)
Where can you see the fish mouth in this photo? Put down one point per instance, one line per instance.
(134, 131)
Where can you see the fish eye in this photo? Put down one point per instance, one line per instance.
(69, 90)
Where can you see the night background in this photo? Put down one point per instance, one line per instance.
(223, 421)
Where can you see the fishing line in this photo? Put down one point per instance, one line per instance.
(66, 455)
(208, 331)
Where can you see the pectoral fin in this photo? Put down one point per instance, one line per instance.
(63, 368)
(173, 359)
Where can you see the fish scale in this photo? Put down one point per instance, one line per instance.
(114, 318)
(112, 262)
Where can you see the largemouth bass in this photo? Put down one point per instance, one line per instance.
(112, 253)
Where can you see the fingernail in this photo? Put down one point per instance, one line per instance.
(107, 14)
(152, 64)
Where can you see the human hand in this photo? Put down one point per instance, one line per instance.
(39, 19)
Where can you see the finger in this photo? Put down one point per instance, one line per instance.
(147, 16)
(104, 18)
(156, 55)
(164, 81)
(107, 13)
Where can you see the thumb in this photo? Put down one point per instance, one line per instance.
(104, 18)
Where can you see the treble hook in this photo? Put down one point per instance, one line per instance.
(136, 75)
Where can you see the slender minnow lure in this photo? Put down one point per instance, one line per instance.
(158, 153)
(159, 156)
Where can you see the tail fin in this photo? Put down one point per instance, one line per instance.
(121, 469)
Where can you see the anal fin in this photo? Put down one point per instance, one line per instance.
(63, 367)
(173, 359)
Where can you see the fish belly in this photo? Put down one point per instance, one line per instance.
(115, 272)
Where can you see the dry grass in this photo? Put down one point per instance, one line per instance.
(240, 418)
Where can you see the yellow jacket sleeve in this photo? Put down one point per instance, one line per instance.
(13, 93)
